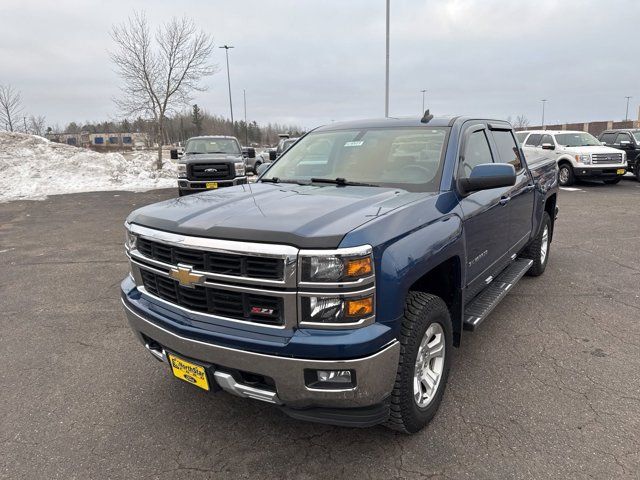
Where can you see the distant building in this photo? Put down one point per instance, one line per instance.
(99, 141)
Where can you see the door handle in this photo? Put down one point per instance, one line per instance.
(504, 200)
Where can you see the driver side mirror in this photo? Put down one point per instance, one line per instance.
(174, 154)
(487, 176)
(548, 146)
(272, 155)
(262, 168)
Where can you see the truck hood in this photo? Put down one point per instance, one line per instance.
(594, 149)
(305, 216)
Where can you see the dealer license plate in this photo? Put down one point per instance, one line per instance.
(211, 185)
(620, 171)
(189, 372)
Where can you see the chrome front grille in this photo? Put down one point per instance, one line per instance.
(214, 262)
(236, 281)
(606, 158)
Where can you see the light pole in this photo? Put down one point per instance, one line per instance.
(386, 85)
(544, 101)
(246, 127)
(226, 48)
(423, 93)
(626, 115)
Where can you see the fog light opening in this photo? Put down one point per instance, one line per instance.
(330, 379)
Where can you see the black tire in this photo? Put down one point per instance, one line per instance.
(255, 167)
(570, 178)
(613, 181)
(180, 193)
(534, 250)
(421, 310)
(636, 170)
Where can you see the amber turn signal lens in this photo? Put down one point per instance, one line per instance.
(359, 267)
(360, 307)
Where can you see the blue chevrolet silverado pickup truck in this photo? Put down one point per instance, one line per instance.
(337, 285)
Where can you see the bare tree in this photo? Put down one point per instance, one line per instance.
(10, 107)
(521, 122)
(37, 124)
(160, 72)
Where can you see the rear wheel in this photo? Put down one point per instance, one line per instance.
(425, 359)
(565, 175)
(613, 181)
(538, 250)
(256, 166)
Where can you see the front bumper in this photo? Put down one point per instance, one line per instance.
(600, 171)
(375, 374)
(201, 186)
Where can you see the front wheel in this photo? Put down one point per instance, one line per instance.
(425, 359)
(256, 166)
(538, 250)
(565, 175)
(636, 170)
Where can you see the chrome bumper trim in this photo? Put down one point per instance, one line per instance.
(229, 384)
(375, 374)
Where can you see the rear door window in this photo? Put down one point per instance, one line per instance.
(534, 140)
(507, 148)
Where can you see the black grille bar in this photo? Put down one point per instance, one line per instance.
(250, 307)
(214, 262)
(209, 171)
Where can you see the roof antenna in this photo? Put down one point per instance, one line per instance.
(427, 117)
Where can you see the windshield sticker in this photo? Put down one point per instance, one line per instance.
(353, 144)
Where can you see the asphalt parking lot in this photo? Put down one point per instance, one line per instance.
(548, 387)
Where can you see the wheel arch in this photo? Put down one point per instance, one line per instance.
(550, 207)
(445, 281)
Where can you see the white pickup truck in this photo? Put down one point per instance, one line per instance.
(579, 155)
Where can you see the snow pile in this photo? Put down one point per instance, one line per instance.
(32, 167)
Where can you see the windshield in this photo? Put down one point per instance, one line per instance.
(410, 158)
(637, 135)
(577, 139)
(212, 145)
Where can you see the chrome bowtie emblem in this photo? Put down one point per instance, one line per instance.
(185, 276)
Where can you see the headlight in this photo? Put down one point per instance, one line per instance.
(586, 159)
(182, 170)
(130, 239)
(240, 169)
(345, 265)
(337, 309)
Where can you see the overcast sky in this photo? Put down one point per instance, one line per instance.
(311, 62)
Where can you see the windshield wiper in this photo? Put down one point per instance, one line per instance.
(342, 182)
(283, 180)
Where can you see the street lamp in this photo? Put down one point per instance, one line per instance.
(544, 101)
(386, 87)
(626, 115)
(226, 48)
(423, 93)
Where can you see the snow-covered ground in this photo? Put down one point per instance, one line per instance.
(32, 167)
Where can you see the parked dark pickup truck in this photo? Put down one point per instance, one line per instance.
(210, 163)
(338, 284)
